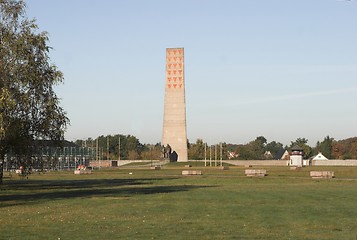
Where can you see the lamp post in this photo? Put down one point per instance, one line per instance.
(205, 154)
(215, 155)
(119, 149)
(108, 158)
(221, 153)
(210, 155)
(151, 155)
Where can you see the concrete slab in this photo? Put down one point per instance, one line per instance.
(191, 172)
(322, 174)
(255, 172)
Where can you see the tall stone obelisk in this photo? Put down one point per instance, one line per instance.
(174, 129)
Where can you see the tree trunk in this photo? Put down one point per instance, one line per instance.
(1, 170)
(2, 160)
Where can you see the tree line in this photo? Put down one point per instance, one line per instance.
(125, 147)
(261, 149)
(130, 148)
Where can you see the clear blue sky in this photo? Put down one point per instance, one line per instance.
(282, 69)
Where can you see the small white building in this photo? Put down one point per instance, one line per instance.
(319, 156)
(268, 155)
(285, 156)
(296, 157)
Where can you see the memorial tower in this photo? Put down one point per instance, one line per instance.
(174, 127)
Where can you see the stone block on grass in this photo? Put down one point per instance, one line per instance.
(191, 172)
(255, 172)
(79, 172)
(322, 174)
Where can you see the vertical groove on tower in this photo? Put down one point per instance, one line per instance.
(174, 128)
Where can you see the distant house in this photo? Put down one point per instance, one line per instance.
(231, 155)
(319, 156)
(282, 154)
(268, 155)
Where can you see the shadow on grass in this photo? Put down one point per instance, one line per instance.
(74, 184)
(36, 192)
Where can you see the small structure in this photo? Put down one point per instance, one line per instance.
(155, 167)
(20, 171)
(191, 172)
(231, 155)
(255, 172)
(81, 169)
(319, 156)
(296, 156)
(322, 174)
(268, 155)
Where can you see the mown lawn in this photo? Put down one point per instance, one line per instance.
(163, 204)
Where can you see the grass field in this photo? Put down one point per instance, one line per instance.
(163, 204)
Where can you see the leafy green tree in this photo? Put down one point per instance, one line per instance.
(258, 147)
(261, 140)
(196, 151)
(29, 107)
(243, 152)
(274, 147)
(152, 152)
(325, 147)
(134, 147)
(253, 150)
(130, 146)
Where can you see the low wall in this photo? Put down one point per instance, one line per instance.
(118, 163)
(334, 162)
(258, 162)
(101, 163)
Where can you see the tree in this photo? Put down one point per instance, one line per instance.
(253, 150)
(345, 149)
(325, 147)
(29, 107)
(274, 147)
(196, 151)
(152, 152)
(259, 147)
(244, 152)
